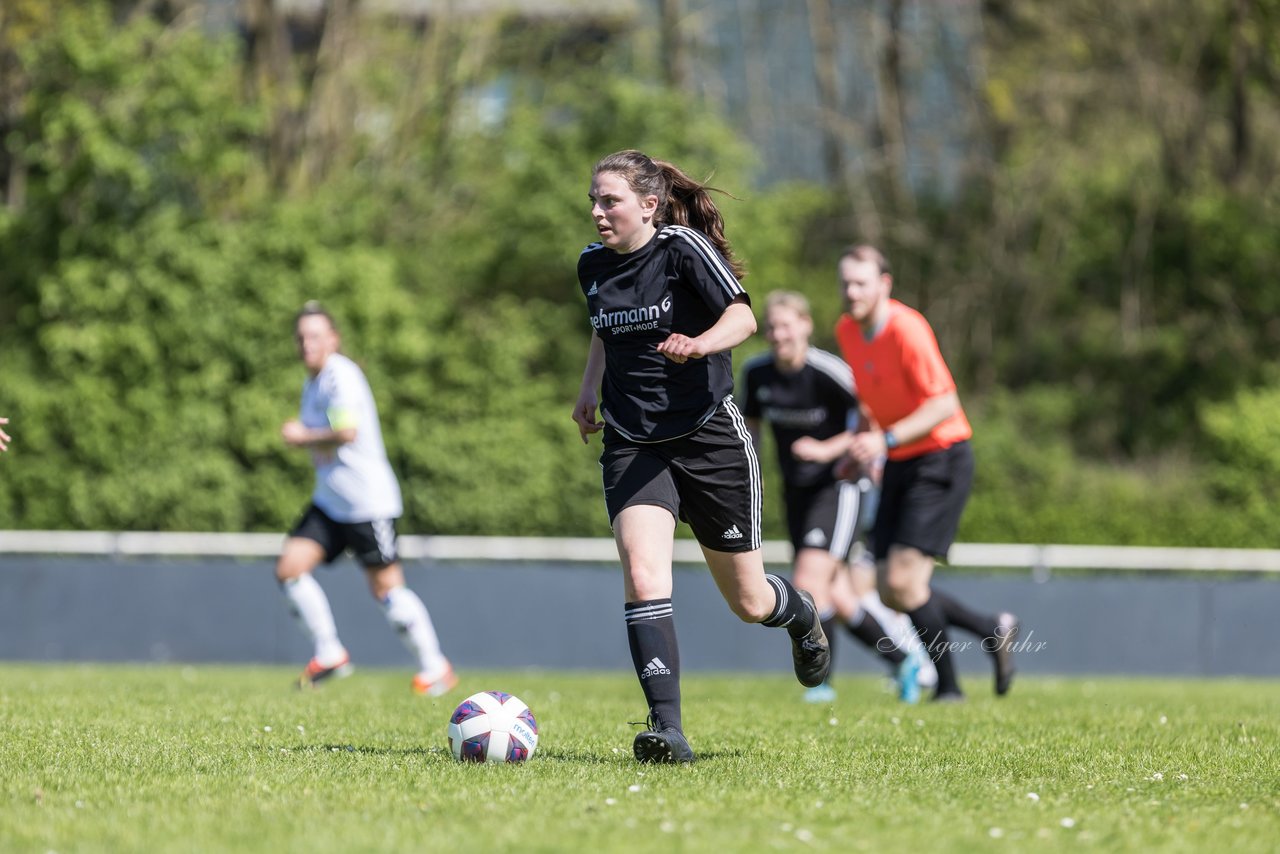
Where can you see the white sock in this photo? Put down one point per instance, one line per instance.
(311, 609)
(898, 627)
(408, 616)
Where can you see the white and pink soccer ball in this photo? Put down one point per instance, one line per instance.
(492, 727)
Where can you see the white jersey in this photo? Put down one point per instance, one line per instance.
(354, 482)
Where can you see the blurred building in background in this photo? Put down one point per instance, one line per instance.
(824, 90)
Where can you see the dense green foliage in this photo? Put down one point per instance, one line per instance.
(1105, 290)
(230, 759)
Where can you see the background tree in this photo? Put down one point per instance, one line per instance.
(1075, 193)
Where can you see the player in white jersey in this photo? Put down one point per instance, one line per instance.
(353, 508)
(4, 437)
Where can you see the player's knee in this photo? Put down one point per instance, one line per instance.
(751, 608)
(288, 569)
(648, 582)
(897, 592)
(299, 557)
(383, 579)
(908, 596)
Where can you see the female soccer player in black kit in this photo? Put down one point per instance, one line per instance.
(665, 302)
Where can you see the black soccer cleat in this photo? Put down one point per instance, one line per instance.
(811, 654)
(1007, 628)
(661, 744)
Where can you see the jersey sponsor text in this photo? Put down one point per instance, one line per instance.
(631, 320)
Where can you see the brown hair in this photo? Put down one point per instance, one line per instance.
(866, 252)
(681, 199)
(312, 308)
(793, 300)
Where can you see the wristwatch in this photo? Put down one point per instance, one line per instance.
(890, 440)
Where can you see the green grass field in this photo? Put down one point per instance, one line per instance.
(106, 758)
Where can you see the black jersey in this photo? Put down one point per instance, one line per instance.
(677, 282)
(818, 400)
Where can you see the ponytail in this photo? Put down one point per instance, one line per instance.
(681, 199)
(689, 203)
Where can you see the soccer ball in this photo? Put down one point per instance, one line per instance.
(492, 727)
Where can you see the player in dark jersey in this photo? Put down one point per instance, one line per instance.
(807, 397)
(907, 390)
(666, 306)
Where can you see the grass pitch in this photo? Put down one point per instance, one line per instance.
(108, 758)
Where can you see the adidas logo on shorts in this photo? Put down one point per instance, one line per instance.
(655, 667)
(733, 533)
(815, 538)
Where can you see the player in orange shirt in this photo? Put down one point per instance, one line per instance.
(908, 393)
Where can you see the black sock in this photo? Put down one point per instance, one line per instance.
(829, 622)
(957, 614)
(931, 626)
(790, 612)
(867, 629)
(651, 633)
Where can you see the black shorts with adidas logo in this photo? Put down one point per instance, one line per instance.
(374, 544)
(709, 478)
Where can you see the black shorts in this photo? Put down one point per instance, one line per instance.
(709, 478)
(372, 543)
(921, 500)
(825, 516)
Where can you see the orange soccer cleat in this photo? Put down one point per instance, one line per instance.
(442, 684)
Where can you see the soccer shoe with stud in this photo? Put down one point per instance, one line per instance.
(1007, 628)
(442, 684)
(811, 654)
(315, 672)
(662, 744)
(907, 677)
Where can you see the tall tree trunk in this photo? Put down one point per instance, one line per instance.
(839, 129)
(675, 55)
(826, 72)
(271, 73)
(1240, 133)
(902, 228)
(327, 110)
(892, 113)
(13, 85)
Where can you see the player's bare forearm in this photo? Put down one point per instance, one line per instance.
(584, 409)
(814, 450)
(868, 446)
(298, 435)
(926, 416)
(736, 324)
